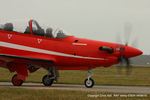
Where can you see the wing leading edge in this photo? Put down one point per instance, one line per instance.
(31, 58)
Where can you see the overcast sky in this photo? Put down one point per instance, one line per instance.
(94, 19)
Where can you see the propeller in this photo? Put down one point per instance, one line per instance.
(122, 60)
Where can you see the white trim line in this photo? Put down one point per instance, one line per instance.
(79, 43)
(21, 47)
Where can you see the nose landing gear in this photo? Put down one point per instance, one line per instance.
(89, 82)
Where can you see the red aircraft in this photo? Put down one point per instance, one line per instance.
(32, 47)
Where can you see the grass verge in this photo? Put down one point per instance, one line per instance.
(7, 93)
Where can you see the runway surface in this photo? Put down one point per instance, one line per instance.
(114, 89)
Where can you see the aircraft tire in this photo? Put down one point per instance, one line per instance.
(90, 83)
(15, 81)
(47, 81)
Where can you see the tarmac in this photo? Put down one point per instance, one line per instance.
(70, 87)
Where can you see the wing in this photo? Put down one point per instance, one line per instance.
(33, 59)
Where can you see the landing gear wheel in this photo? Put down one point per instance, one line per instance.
(89, 83)
(15, 81)
(47, 81)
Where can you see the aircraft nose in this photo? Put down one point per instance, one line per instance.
(132, 52)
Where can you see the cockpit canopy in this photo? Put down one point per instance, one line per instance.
(33, 27)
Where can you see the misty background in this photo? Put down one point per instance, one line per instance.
(94, 19)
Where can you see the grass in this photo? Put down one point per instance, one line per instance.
(7, 93)
(103, 76)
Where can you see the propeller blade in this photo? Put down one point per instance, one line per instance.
(119, 67)
(127, 32)
(128, 67)
(124, 62)
(135, 43)
(118, 38)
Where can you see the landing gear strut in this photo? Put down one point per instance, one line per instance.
(52, 76)
(89, 82)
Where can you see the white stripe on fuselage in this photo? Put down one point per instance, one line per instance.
(79, 44)
(22, 47)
